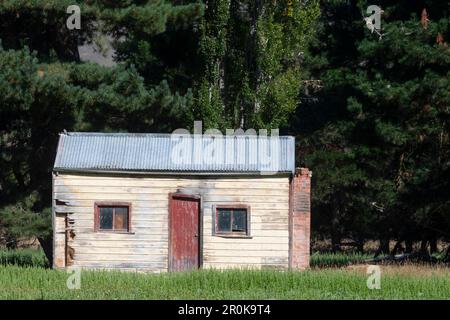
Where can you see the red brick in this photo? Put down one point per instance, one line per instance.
(300, 220)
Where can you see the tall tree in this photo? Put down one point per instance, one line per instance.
(45, 88)
(251, 54)
(377, 133)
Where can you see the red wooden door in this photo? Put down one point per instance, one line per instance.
(184, 233)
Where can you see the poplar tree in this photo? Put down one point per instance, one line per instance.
(251, 54)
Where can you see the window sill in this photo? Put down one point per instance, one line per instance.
(114, 232)
(233, 236)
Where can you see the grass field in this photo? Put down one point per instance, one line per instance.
(397, 282)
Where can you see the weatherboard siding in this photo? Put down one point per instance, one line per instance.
(146, 247)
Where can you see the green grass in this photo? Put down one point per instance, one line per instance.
(332, 260)
(37, 283)
(23, 276)
(36, 258)
(23, 258)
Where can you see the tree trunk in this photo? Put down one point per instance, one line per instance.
(408, 246)
(335, 242)
(360, 246)
(397, 247)
(433, 246)
(383, 248)
(335, 234)
(424, 247)
(47, 246)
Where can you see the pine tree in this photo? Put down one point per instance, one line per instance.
(45, 88)
(378, 136)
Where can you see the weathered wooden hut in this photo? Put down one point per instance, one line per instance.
(161, 202)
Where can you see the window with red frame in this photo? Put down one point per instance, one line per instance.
(232, 221)
(112, 217)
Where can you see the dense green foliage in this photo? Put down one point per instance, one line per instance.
(251, 56)
(371, 113)
(375, 129)
(175, 63)
(45, 88)
(35, 283)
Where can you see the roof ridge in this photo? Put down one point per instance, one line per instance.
(131, 134)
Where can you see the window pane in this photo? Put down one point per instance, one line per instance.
(240, 220)
(224, 220)
(106, 218)
(121, 218)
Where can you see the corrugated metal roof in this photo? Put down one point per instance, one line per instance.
(117, 152)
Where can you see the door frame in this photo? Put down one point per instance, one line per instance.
(195, 197)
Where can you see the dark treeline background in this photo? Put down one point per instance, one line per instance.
(371, 115)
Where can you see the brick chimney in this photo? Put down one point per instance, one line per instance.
(300, 219)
